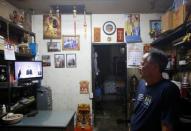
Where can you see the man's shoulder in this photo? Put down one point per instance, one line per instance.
(168, 83)
(170, 86)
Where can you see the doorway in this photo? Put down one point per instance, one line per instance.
(109, 85)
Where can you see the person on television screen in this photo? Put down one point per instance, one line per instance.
(19, 74)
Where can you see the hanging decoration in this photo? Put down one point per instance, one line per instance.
(74, 17)
(85, 24)
(58, 12)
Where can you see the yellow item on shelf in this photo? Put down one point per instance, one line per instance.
(83, 116)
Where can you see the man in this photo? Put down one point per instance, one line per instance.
(157, 101)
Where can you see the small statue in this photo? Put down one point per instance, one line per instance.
(16, 18)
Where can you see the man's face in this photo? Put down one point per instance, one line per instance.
(146, 67)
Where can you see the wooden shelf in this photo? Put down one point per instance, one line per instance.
(17, 55)
(11, 24)
(168, 37)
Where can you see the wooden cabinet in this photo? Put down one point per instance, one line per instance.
(167, 21)
(179, 16)
(173, 19)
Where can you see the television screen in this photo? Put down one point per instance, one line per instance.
(28, 70)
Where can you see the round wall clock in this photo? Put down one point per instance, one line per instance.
(109, 27)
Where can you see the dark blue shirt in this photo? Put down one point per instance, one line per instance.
(156, 105)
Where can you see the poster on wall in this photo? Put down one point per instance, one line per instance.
(146, 48)
(51, 26)
(134, 55)
(132, 28)
(46, 60)
(120, 35)
(84, 87)
(97, 34)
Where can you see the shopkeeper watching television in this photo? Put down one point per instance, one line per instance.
(157, 101)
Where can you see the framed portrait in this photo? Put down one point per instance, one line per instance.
(84, 87)
(46, 60)
(59, 60)
(51, 26)
(109, 28)
(54, 46)
(120, 34)
(132, 28)
(155, 28)
(97, 34)
(70, 42)
(71, 61)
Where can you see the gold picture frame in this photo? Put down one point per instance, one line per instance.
(51, 26)
(70, 42)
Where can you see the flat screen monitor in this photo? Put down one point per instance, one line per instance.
(28, 70)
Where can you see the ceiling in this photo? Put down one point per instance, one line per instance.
(95, 6)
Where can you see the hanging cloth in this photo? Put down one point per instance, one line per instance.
(85, 25)
(74, 17)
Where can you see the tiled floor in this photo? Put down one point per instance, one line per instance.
(110, 116)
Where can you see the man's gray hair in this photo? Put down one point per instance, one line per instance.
(158, 57)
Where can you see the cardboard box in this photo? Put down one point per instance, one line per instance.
(179, 16)
(172, 19)
(167, 21)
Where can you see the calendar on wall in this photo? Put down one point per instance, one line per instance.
(134, 54)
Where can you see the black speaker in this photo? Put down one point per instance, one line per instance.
(3, 73)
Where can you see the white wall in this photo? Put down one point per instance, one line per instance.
(98, 20)
(145, 26)
(64, 82)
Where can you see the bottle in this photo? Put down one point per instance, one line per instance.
(173, 61)
(92, 119)
(184, 86)
(4, 109)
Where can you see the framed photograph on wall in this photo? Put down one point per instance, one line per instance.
(54, 46)
(59, 60)
(51, 26)
(155, 28)
(71, 61)
(70, 42)
(46, 60)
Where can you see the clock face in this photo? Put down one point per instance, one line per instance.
(109, 28)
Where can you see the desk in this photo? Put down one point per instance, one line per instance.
(44, 121)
